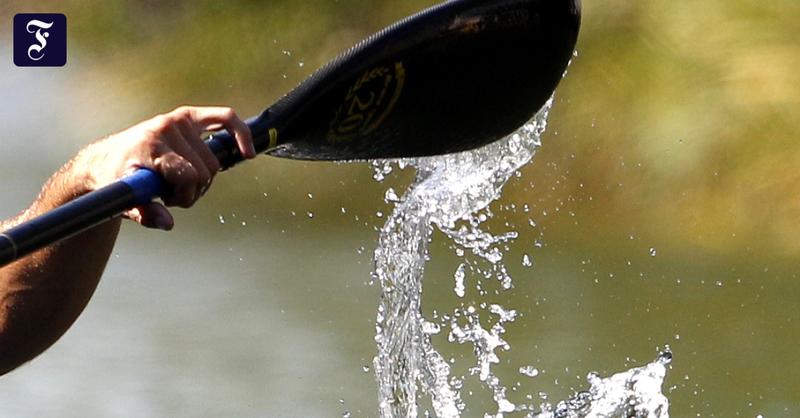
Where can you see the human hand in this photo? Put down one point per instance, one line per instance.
(169, 144)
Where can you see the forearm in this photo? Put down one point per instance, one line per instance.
(42, 294)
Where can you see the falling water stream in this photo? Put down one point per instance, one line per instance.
(453, 193)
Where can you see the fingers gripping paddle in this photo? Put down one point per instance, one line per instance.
(454, 77)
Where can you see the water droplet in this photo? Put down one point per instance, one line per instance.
(391, 196)
(431, 328)
(665, 357)
(526, 261)
(505, 406)
(506, 315)
(459, 275)
(381, 169)
(529, 371)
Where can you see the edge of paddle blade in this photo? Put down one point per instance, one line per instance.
(457, 76)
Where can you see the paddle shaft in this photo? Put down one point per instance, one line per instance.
(101, 205)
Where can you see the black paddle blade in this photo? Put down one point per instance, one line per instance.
(454, 77)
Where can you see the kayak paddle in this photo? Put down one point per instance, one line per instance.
(454, 77)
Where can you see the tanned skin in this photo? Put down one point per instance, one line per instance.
(43, 294)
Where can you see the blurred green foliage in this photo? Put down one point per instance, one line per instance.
(685, 118)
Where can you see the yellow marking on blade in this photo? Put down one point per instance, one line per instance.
(273, 138)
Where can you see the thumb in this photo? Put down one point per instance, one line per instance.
(152, 215)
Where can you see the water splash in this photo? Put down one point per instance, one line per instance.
(632, 394)
(452, 193)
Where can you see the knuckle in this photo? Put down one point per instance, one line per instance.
(164, 119)
(228, 113)
(151, 145)
(166, 163)
(182, 114)
(187, 127)
(176, 170)
(161, 123)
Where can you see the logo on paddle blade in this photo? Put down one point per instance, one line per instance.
(40, 40)
(368, 103)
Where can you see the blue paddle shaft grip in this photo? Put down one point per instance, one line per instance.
(146, 185)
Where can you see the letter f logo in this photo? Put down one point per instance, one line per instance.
(40, 40)
(36, 51)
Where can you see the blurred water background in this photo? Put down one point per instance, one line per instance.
(666, 202)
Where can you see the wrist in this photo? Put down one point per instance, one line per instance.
(80, 171)
(97, 165)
